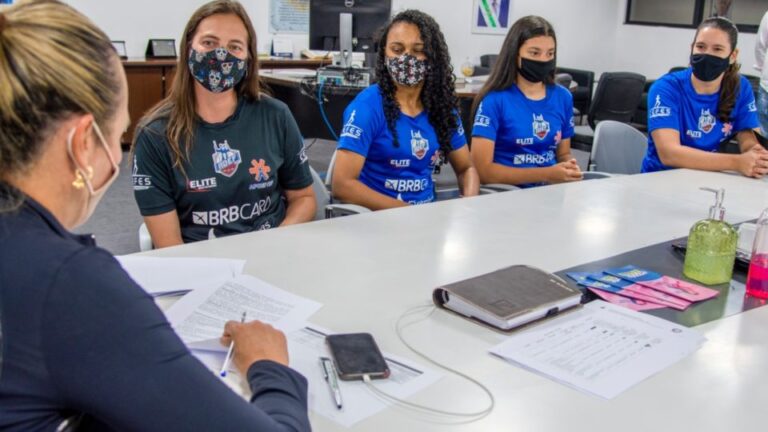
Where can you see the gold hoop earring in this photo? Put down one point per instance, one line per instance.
(79, 181)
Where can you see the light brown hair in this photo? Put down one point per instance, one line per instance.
(179, 107)
(54, 63)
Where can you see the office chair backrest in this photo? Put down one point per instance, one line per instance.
(618, 148)
(322, 196)
(617, 97)
(329, 171)
(488, 60)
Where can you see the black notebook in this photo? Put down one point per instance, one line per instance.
(508, 298)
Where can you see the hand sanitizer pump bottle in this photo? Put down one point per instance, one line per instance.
(757, 279)
(711, 246)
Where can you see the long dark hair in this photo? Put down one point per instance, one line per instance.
(504, 72)
(730, 86)
(179, 106)
(438, 94)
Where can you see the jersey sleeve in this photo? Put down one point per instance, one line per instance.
(487, 117)
(567, 101)
(360, 127)
(663, 107)
(459, 137)
(294, 173)
(153, 178)
(745, 111)
(111, 353)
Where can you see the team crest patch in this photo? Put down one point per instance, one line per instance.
(225, 159)
(540, 126)
(706, 121)
(419, 145)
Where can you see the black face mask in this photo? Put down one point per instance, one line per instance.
(536, 71)
(707, 67)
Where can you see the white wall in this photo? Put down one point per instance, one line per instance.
(591, 33)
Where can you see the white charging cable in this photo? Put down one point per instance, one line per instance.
(399, 327)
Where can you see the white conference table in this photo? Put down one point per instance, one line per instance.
(368, 269)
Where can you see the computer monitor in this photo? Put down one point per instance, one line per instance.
(368, 16)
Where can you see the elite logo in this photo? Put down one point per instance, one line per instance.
(658, 110)
(540, 126)
(349, 129)
(232, 214)
(202, 185)
(225, 159)
(140, 182)
(706, 121)
(419, 145)
(480, 119)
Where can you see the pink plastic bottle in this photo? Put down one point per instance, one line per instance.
(757, 278)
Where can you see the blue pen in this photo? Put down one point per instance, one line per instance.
(228, 359)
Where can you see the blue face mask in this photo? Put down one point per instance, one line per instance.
(217, 70)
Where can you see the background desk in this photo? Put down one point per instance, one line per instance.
(368, 269)
(286, 86)
(149, 81)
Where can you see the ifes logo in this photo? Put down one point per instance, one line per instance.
(350, 130)
(140, 182)
(480, 119)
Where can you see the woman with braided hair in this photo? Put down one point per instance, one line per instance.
(397, 131)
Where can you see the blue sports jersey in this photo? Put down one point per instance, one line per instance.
(404, 172)
(526, 132)
(674, 104)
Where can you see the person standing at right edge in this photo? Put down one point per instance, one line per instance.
(761, 52)
(693, 111)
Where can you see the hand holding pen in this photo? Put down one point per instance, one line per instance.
(254, 341)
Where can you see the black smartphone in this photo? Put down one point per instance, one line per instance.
(356, 355)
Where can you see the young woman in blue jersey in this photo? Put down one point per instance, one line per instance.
(396, 131)
(523, 121)
(82, 347)
(692, 111)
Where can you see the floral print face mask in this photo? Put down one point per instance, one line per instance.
(217, 70)
(407, 70)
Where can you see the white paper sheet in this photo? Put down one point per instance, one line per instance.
(167, 276)
(602, 349)
(201, 314)
(307, 345)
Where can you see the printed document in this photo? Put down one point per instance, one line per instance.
(170, 276)
(199, 317)
(603, 349)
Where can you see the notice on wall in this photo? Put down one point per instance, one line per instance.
(289, 16)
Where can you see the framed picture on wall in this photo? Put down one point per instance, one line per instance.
(5, 3)
(491, 16)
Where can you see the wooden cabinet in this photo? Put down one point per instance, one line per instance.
(149, 81)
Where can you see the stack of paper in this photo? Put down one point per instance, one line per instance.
(171, 276)
(602, 349)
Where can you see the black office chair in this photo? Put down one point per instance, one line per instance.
(487, 61)
(617, 97)
(582, 94)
